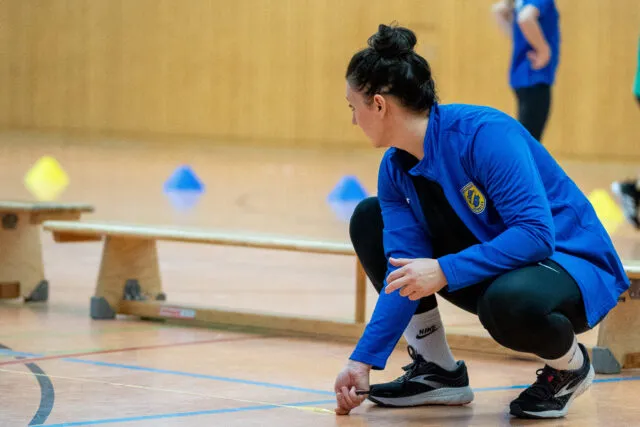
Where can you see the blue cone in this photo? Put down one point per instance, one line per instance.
(345, 196)
(183, 179)
(183, 188)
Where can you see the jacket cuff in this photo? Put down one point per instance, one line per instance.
(376, 362)
(446, 265)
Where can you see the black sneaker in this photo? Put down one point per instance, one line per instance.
(629, 197)
(424, 383)
(553, 391)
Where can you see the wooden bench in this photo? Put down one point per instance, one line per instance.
(129, 278)
(618, 343)
(129, 283)
(21, 264)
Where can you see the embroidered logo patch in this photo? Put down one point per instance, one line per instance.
(474, 198)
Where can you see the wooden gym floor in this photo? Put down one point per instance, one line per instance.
(60, 368)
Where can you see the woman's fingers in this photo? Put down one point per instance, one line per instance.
(415, 296)
(399, 262)
(397, 284)
(351, 378)
(347, 398)
(342, 403)
(408, 290)
(357, 400)
(395, 274)
(341, 411)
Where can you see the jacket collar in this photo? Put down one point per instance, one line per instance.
(425, 167)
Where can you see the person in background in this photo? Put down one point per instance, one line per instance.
(533, 26)
(628, 191)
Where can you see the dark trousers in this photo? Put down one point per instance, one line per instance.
(533, 309)
(534, 103)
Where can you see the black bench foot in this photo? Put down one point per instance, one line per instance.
(100, 309)
(40, 293)
(604, 362)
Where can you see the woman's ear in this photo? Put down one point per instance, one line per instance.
(379, 103)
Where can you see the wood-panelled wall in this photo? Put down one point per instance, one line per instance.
(273, 70)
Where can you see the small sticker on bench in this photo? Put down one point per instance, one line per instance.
(180, 313)
(9, 221)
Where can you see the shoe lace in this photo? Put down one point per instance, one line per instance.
(544, 387)
(409, 369)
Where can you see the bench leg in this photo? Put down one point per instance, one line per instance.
(21, 264)
(361, 293)
(619, 335)
(125, 260)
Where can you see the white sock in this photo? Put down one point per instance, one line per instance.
(571, 361)
(425, 334)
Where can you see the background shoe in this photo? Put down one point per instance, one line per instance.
(629, 197)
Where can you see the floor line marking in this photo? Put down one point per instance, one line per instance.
(180, 414)
(179, 373)
(37, 358)
(167, 390)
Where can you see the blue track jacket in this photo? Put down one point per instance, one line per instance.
(512, 195)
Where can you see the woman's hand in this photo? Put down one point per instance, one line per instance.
(354, 376)
(416, 278)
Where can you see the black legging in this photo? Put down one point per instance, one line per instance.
(534, 309)
(534, 103)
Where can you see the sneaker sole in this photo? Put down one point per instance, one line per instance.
(584, 385)
(441, 396)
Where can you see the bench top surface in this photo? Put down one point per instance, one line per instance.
(185, 234)
(18, 206)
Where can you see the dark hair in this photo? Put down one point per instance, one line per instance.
(390, 66)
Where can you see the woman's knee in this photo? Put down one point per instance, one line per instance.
(366, 221)
(531, 310)
(509, 305)
(365, 231)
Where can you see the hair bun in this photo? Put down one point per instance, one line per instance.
(392, 42)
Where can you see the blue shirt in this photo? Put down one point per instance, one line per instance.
(511, 194)
(521, 73)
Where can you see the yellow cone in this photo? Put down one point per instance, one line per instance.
(46, 179)
(607, 210)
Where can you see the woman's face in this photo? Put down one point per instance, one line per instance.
(369, 116)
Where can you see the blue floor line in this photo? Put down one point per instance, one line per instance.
(172, 372)
(183, 414)
(200, 376)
